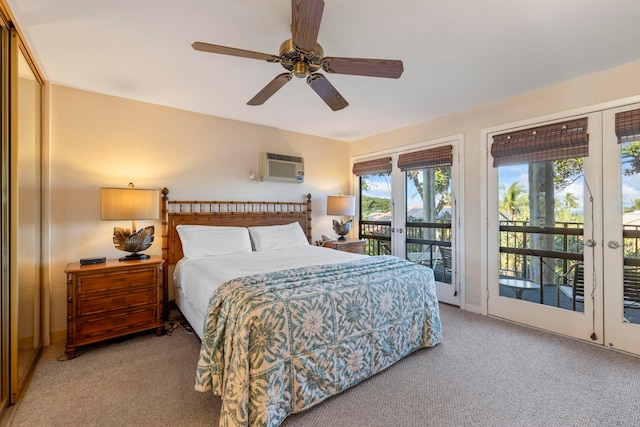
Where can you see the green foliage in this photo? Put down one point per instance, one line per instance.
(374, 205)
(631, 158)
(370, 204)
(634, 207)
(442, 183)
(514, 202)
(565, 209)
(566, 172)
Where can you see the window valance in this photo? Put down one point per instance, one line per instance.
(628, 126)
(370, 167)
(541, 144)
(425, 159)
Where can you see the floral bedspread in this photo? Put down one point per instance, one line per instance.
(277, 343)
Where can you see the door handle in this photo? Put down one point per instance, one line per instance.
(400, 230)
(613, 244)
(590, 243)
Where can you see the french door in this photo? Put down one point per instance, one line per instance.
(409, 209)
(621, 227)
(564, 236)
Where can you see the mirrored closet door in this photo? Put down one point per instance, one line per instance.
(26, 221)
(21, 216)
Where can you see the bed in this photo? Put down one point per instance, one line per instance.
(285, 325)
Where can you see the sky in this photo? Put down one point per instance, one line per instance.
(381, 187)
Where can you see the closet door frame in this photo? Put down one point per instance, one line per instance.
(5, 399)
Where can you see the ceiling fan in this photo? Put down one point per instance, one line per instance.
(302, 56)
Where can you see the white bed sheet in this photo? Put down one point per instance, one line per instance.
(196, 278)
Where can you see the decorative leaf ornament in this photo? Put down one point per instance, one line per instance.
(136, 242)
(340, 228)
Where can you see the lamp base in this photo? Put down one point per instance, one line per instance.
(341, 229)
(134, 257)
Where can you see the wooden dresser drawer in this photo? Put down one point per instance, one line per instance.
(352, 247)
(355, 246)
(91, 327)
(115, 281)
(138, 297)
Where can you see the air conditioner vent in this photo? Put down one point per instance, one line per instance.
(281, 168)
(284, 158)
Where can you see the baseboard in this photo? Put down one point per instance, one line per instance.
(58, 336)
(472, 308)
(7, 415)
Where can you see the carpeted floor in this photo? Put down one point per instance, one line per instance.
(485, 373)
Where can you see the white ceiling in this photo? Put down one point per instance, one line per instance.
(457, 54)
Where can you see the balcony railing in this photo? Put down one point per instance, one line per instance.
(423, 241)
(421, 237)
(546, 256)
(523, 255)
(378, 237)
(558, 247)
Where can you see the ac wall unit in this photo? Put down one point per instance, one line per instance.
(281, 168)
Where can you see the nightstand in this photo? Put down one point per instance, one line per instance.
(112, 299)
(355, 246)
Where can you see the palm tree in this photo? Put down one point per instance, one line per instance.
(511, 202)
(564, 209)
(570, 201)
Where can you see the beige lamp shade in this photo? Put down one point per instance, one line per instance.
(129, 204)
(341, 205)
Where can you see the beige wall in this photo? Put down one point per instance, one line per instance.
(98, 140)
(614, 84)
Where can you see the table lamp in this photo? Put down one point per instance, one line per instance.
(130, 204)
(341, 206)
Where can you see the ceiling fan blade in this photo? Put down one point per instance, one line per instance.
(389, 68)
(271, 88)
(305, 23)
(326, 91)
(224, 50)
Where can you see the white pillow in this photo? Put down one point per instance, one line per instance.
(273, 237)
(208, 240)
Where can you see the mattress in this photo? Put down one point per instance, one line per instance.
(195, 278)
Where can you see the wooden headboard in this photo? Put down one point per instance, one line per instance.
(237, 214)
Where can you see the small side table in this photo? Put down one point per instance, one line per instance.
(113, 299)
(354, 246)
(518, 286)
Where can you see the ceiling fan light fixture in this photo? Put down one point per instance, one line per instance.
(300, 69)
(290, 56)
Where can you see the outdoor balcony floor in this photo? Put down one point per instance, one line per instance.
(551, 297)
